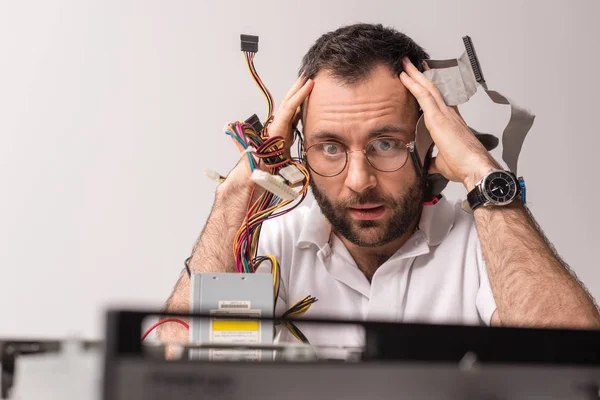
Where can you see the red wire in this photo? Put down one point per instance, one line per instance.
(159, 323)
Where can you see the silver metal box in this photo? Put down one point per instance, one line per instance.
(223, 294)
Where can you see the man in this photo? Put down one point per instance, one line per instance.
(370, 247)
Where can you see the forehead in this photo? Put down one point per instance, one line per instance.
(352, 111)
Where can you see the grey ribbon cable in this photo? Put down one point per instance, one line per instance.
(456, 81)
(518, 126)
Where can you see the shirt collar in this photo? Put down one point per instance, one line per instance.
(435, 224)
(437, 221)
(316, 229)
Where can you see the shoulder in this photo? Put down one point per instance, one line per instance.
(465, 224)
(464, 234)
(451, 229)
(445, 223)
(463, 220)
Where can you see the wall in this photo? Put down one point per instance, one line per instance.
(110, 111)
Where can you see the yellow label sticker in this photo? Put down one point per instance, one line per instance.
(234, 325)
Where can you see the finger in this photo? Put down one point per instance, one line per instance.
(295, 87)
(425, 65)
(426, 100)
(288, 109)
(422, 80)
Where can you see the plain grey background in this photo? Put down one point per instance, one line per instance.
(110, 111)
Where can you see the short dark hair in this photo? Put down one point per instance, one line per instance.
(351, 52)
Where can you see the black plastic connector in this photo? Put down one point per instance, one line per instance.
(255, 122)
(473, 59)
(249, 43)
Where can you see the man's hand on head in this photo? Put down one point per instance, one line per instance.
(461, 156)
(288, 113)
(282, 125)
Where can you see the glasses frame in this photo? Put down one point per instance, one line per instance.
(409, 146)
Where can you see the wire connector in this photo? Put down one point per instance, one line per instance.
(292, 174)
(249, 43)
(474, 60)
(273, 184)
(213, 175)
(255, 122)
(248, 149)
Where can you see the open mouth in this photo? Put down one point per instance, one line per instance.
(367, 212)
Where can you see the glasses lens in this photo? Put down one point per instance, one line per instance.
(326, 158)
(387, 154)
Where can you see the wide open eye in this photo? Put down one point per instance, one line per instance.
(329, 149)
(385, 147)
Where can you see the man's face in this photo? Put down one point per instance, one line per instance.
(368, 207)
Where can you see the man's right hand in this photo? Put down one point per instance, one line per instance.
(213, 250)
(233, 195)
(234, 192)
(288, 113)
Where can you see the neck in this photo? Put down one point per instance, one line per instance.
(369, 259)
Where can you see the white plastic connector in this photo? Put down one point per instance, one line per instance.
(273, 185)
(214, 175)
(249, 149)
(292, 174)
(279, 178)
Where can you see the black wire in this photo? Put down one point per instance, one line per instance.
(302, 304)
(278, 286)
(298, 332)
(299, 138)
(257, 261)
(187, 266)
(256, 230)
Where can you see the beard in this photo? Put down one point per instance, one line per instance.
(373, 233)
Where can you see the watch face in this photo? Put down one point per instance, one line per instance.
(500, 187)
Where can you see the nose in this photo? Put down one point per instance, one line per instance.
(360, 175)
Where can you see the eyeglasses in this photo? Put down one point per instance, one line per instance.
(385, 154)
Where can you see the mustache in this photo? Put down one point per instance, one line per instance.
(364, 198)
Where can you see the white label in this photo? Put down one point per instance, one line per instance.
(234, 304)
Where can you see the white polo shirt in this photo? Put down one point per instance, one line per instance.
(437, 276)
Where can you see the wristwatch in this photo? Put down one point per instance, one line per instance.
(497, 188)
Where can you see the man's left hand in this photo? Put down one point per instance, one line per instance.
(461, 157)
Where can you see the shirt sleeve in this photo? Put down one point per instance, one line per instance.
(486, 305)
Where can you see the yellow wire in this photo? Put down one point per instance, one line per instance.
(275, 146)
(291, 330)
(259, 86)
(274, 271)
(265, 213)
